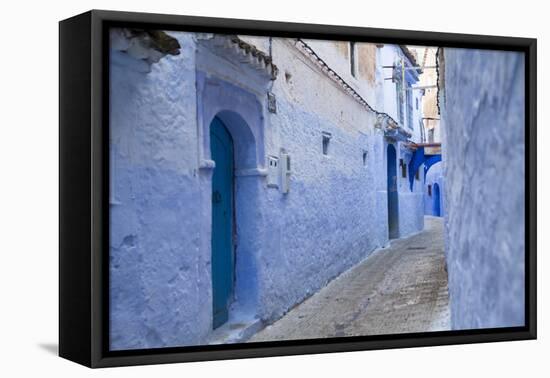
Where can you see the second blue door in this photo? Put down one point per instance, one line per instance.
(221, 147)
(437, 201)
(393, 210)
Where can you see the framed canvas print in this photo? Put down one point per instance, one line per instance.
(234, 188)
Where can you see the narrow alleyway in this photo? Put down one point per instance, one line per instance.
(399, 289)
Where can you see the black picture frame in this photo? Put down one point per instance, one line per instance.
(84, 189)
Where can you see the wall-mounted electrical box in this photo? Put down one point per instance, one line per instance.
(285, 172)
(273, 172)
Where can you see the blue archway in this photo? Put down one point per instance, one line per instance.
(420, 157)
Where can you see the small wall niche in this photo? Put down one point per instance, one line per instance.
(326, 142)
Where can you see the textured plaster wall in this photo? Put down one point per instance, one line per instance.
(484, 154)
(155, 261)
(367, 59)
(337, 56)
(330, 219)
(434, 176)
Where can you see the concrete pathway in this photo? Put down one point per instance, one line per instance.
(399, 289)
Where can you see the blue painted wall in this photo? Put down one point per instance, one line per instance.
(484, 154)
(287, 246)
(155, 256)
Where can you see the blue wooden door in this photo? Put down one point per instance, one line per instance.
(392, 192)
(221, 147)
(437, 201)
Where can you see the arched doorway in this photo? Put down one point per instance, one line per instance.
(437, 201)
(241, 114)
(223, 256)
(393, 224)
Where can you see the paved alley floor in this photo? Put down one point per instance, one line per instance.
(398, 289)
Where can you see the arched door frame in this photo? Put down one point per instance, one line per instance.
(243, 115)
(223, 217)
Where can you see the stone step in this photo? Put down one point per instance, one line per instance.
(238, 329)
